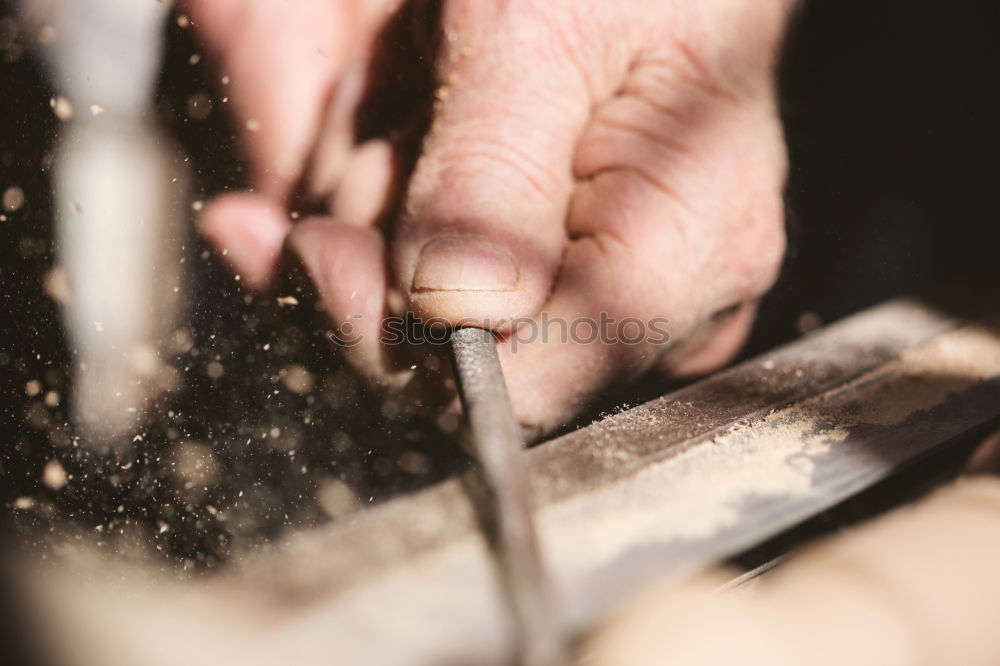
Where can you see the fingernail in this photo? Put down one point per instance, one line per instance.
(464, 264)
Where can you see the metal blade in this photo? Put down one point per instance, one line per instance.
(501, 493)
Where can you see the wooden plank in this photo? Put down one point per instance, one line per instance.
(671, 486)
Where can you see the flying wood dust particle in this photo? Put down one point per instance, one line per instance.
(287, 300)
(56, 285)
(181, 341)
(13, 198)
(54, 476)
(96, 109)
(61, 107)
(195, 462)
(336, 498)
(33, 388)
(298, 380)
(199, 106)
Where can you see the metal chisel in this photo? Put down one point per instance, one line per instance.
(501, 493)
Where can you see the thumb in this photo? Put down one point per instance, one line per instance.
(482, 230)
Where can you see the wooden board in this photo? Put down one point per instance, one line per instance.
(671, 486)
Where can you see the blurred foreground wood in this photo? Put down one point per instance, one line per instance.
(920, 586)
(666, 489)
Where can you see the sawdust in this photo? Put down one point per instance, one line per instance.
(298, 379)
(336, 498)
(925, 375)
(13, 199)
(697, 493)
(56, 285)
(54, 475)
(195, 464)
(62, 107)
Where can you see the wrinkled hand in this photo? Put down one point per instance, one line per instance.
(588, 160)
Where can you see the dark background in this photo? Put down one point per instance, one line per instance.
(890, 110)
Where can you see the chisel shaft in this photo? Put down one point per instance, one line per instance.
(502, 496)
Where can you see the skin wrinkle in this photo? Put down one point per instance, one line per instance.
(613, 228)
(558, 98)
(645, 92)
(593, 230)
(656, 182)
(428, 178)
(701, 75)
(571, 54)
(610, 247)
(771, 232)
(639, 90)
(608, 243)
(517, 160)
(654, 170)
(668, 145)
(690, 73)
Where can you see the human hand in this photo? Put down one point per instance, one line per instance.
(296, 79)
(586, 160)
